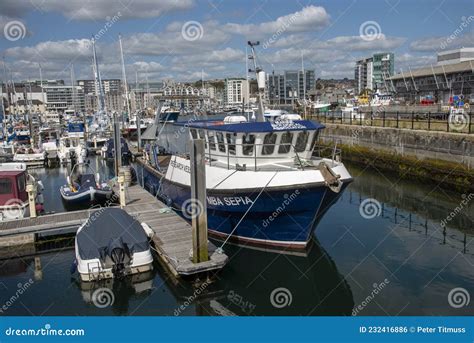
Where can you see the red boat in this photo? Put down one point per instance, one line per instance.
(13, 195)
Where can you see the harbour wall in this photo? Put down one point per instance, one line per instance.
(441, 156)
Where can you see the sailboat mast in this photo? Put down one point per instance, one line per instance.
(97, 77)
(304, 85)
(124, 77)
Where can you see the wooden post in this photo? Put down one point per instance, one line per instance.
(31, 189)
(117, 144)
(198, 200)
(139, 130)
(121, 182)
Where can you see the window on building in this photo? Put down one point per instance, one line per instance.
(269, 143)
(248, 142)
(285, 143)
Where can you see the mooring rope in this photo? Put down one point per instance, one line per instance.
(219, 250)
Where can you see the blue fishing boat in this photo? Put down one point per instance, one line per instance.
(267, 182)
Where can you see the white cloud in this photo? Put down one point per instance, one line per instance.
(310, 18)
(443, 43)
(95, 9)
(356, 43)
(67, 50)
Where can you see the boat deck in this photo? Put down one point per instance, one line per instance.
(172, 240)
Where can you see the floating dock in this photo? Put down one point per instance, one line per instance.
(172, 239)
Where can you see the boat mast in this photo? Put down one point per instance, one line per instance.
(260, 87)
(124, 77)
(97, 79)
(41, 85)
(73, 89)
(304, 85)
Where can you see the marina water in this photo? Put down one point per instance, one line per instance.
(377, 251)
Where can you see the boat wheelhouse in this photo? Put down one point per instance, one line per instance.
(266, 182)
(72, 149)
(13, 194)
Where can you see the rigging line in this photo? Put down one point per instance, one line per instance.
(235, 171)
(248, 210)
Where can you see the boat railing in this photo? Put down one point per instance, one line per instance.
(329, 152)
(256, 157)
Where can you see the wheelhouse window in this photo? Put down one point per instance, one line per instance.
(22, 183)
(231, 143)
(315, 139)
(220, 141)
(202, 135)
(193, 133)
(301, 141)
(248, 142)
(285, 143)
(6, 186)
(269, 143)
(212, 141)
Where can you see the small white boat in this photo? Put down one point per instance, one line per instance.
(72, 150)
(30, 156)
(112, 244)
(351, 112)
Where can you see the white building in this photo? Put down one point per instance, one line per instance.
(455, 56)
(61, 98)
(236, 91)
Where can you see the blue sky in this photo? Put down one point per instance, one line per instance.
(331, 35)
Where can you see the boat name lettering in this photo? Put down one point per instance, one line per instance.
(181, 166)
(229, 201)
(287, 125)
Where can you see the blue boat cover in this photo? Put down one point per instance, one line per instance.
(105, 228)
(283, 125)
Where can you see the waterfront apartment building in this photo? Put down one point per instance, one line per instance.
(236, 91)
(290, 85)
(61, 98)
(373, 72)
(112, 90)
(453, 74)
